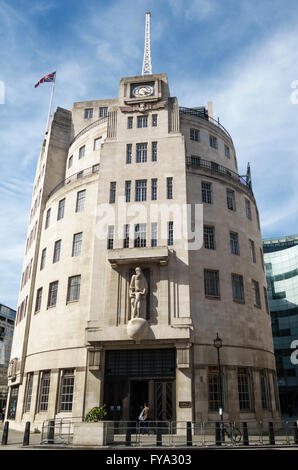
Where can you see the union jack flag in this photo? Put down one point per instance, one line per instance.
(47, 78)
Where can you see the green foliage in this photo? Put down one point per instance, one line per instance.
(96, 414)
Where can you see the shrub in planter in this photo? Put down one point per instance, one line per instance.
(96, 414)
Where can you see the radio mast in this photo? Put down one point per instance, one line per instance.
(147, 66)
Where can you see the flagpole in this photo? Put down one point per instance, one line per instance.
(50, 106)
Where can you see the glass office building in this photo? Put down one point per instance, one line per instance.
(7, 322)
(281, 263)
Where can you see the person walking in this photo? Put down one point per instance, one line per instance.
(144, 418)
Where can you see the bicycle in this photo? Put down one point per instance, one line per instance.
(232, 432)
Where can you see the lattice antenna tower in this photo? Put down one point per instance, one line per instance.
(147, 66)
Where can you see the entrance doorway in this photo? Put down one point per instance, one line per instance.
(139, 394)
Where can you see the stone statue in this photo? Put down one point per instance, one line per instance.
(138, 290)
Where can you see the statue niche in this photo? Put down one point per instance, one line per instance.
(138, 326)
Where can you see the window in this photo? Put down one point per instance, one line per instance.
(206, 192)
(194, 134)
(44, 391)
(13, 401)
(234, 243)
(126, 236)
(140, 236)
(48, 216)
(43, 258)
(129, 122)
(227, 151)
(103, 111)
(110, 243)
(209, 237)
(231, 204)
(170, 233)
(61, 207)
(80, 204)
(237, 287)
(141, 153)
(77, 244)
(215, 389)
(38, 300)
(57, 250)
(112, 192)
(53, 291)
(70, 161)
(244, 389)
(154, 120)
(95, 168)
(211, 283)
(142, 121)
(141, 190)
(154, 234)
(127, 191)
(154, 189)
(88, 113)
(170, 188)
(265, 393)
(248, 208)
(213, 141)
(252, 250)
(82, 152)
(66, 390)
(128, 153)
(80, 174)
(154, 151)
(97, 143)
(28, 392)
(73, 291)
(257, 298)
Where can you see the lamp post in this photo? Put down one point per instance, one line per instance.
(217, 343)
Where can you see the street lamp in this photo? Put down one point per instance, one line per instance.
(217, 343)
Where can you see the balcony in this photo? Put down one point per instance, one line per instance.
(120, 256)
(76, 176)
(202, 114)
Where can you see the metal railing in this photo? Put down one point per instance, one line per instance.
(76, 176)
(88, 128)
(203, 115)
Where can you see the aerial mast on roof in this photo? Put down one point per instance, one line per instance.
(147, 66)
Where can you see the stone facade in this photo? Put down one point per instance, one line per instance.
(142, 156)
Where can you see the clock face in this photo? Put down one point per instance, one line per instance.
(142, 90)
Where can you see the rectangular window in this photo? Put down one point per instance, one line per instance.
(97, 143)
(66, 390)
(234, 243)
(95, 168)
(43, 258)
(80, 174)
(154, 234)
(213, 141)
(112, 192)
(252, 250)
(231, 203)
(127, 191)
(227, 151)
(57, 250)
(48, 217)
(141, 190)
(82, 152)
(154, 151)
(128, 153)
(141, 153)
(140, 236)
(88, 113)
(61, 206)
(126, 236)
(206, 192)
(29, 387)
(211, 283)
(77, 244)
(44, 391)
(170, 188)
(170, 233)
(154, 189)
(53, 291)
(154, 120)
(238, 287)
(247, 208)
(70, 161)
(209, 237)
(103, 111)
(215, 389)
(80, 204)
(265, 393)
(142, 121)
(73, 291)
(129, 122)
(244, 389)
(38, 300)
(194, 135)
(110, 243)
(256, 289)
(13, 402)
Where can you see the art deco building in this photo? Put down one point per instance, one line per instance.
(113, 182)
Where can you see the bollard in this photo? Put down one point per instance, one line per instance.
(217, 434)
(26, 434)
(128, 435)
(51, 431)
(245, 434)
(5, 433)
(158, 437)
(271, 434)
(295, 432)
(188, 434)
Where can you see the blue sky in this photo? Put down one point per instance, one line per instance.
(240, 54)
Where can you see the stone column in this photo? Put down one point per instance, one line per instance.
(232, 395)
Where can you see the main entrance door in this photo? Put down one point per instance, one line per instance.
(139, 394)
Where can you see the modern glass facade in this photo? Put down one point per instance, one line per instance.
(7, 322)
(281, 264)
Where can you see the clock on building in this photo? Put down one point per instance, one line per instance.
(140, 91)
